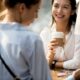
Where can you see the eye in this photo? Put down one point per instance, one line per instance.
(56, 5)
(66, 6)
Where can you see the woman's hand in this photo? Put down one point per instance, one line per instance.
(52, 48)
(50, 56)
(51, 52)
(57, 42)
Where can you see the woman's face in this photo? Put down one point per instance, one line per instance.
(61, 10)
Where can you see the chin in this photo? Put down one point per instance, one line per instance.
(59, 20)
(28, 22)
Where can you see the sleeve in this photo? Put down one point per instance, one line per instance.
(45, 36)
(70, 77)
(40, 68)
(59, 55)
(44, 33)
(74, 63)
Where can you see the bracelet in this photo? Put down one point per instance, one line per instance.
(52, 66)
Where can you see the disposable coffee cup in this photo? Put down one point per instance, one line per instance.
(57, 35)
(59, 49)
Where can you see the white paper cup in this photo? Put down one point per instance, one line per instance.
(59, 49)
(57, 35)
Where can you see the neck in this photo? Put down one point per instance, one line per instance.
(62, 27)
(26, 22)
(10, 17)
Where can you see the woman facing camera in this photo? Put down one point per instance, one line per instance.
(59, 39)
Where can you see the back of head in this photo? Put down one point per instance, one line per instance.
(13, 3)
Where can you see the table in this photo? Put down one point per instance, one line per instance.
(55, 74)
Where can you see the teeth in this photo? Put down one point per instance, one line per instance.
(59, 16)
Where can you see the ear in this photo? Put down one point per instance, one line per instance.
(22, 7)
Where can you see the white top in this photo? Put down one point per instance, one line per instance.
(70, 77)
(23, 52)
(71, 55)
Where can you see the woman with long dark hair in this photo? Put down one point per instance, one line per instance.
(63, 20)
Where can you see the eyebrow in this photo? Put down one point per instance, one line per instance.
(67, 4)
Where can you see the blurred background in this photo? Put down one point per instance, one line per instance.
(44, 17)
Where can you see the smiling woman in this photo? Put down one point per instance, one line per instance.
(63, 20)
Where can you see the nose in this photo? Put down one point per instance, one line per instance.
(59, 10)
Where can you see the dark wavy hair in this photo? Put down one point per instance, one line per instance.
(12, 3)
(72, 19)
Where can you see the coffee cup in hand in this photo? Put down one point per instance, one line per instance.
(59, 36)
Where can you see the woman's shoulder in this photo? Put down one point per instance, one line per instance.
(72, 29)
(45, 33)
(46, 30)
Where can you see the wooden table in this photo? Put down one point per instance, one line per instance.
(54, 74)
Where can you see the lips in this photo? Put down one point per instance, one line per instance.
(59, 16)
